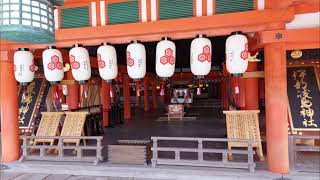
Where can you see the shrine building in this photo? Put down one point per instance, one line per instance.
(231, 84)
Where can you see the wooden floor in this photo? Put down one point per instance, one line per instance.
(17, 176)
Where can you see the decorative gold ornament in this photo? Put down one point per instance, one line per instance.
(253, 58)
(66, 67)
(296, 54)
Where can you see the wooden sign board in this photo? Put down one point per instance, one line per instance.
(304, 98)
(35, 95)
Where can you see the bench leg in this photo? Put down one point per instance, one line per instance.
(230, 157)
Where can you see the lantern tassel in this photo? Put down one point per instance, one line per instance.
(85, 91)
(198, 89)
(111, 93)
(137, 89)
(236, 88)
(162, 89)
(24, 93)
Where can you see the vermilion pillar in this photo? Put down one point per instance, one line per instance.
(224, 87)
(146, 94)
(73, 93)
(252, 90)
(9, 108)
(261, 90)
(167, 94)
(276, 107)
(154, 94)
(126, 97)
(241, 97)
(137, 101)
(224, 94)
(54, 92)
(105, 101)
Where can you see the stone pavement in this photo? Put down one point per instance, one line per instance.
(29, 176)
(83, 171)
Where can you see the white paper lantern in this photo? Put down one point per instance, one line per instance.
(237, 54)
(165, 58)
(107, 62)
(80, 63)
(200, 56)
(24, 68)
(53, 65)
(136, 60)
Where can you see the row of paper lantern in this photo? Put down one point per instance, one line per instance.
(200, 60)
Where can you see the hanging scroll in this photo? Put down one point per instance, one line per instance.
(304, 98)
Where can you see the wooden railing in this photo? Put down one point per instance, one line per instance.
(200, 150)
(60, 148)
(294, 148)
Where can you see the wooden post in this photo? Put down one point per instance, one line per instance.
(292, 153)
(9, 108)
(200, 152)
(251, 90)
(146, 94)
(105, 101)
(154, 152)
(126, 96)
(276, 107)
(154, 94)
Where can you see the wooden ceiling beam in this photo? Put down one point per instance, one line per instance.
(310, 35)
(223, 24)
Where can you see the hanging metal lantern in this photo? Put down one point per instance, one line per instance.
(107, 62)
(136, 60)
(24, 68)
(28, 21)
(53, 65)
(237, 54)
(80, 63)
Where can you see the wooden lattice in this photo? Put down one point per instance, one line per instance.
(244, 124)
(49, 126)
(73, 126)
